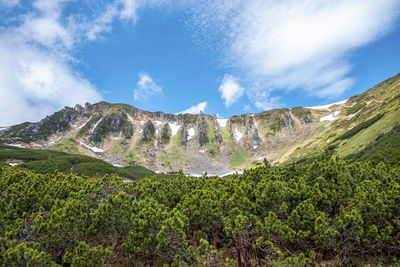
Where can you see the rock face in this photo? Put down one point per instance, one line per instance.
(165, 134)
(202, 129)
(217, 131)
(112, 123)
(148, 131)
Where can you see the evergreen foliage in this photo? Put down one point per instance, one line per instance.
(330, 212)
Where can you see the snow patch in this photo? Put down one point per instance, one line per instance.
(328, 105)
(330, 117)
(238, 135)
(202, 151)
(210, 174)
(156, 132)
(12, 164)
(158, 123)
(127, 181)
(16, 145)
(194, 175)
(97, 123)
(118, 165)
(174, 128)
(191, 133)
(222, 122)
(230, 173)
(255, 147)
(80, 127)
(93, 148)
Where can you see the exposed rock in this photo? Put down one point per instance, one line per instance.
(148, 131)
(112, 123)
(202, 130)
(185, 134)
(54, 124)
(217, 132)
(252, 131)
(165, 134)
(304, 115)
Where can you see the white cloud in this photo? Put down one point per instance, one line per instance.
(129, 9)
(300, 44)
(37, 75)
(262, 98)
(196, 109)
(146, 87)
(230, 90)
(43, 26)
(34, 84)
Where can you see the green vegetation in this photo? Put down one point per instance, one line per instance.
(331, 213)
(165, 137)
(240, 158)
(273, 121)
(69, 145)
(386, 148)
(132, 156)
(117, 147)
(303, 114)
(226, 137)
(27, 132)
(47, 161)
(175, 156)
(361, 139)
(355, 108)
(213, 149)
(353, 131)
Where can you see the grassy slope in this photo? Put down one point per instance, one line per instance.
(47, 161)
(386, 148)
(347, 136)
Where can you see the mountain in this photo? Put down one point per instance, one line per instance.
(124, 135)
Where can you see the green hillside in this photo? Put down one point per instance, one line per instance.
(48, 161)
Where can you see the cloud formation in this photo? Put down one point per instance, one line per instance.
(287, 45)
(146, 88)
(195, 109)
(230, 90)
(37, 75)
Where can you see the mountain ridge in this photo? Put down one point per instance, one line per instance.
(196, 143)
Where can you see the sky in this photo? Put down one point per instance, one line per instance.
(225, 57)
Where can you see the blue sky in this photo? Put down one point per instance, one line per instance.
(222, 57)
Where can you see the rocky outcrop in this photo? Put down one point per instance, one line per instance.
(217, 131)
(202, 130)
(112, 124)
(304, 115)
(165, 134)
(148, 131)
